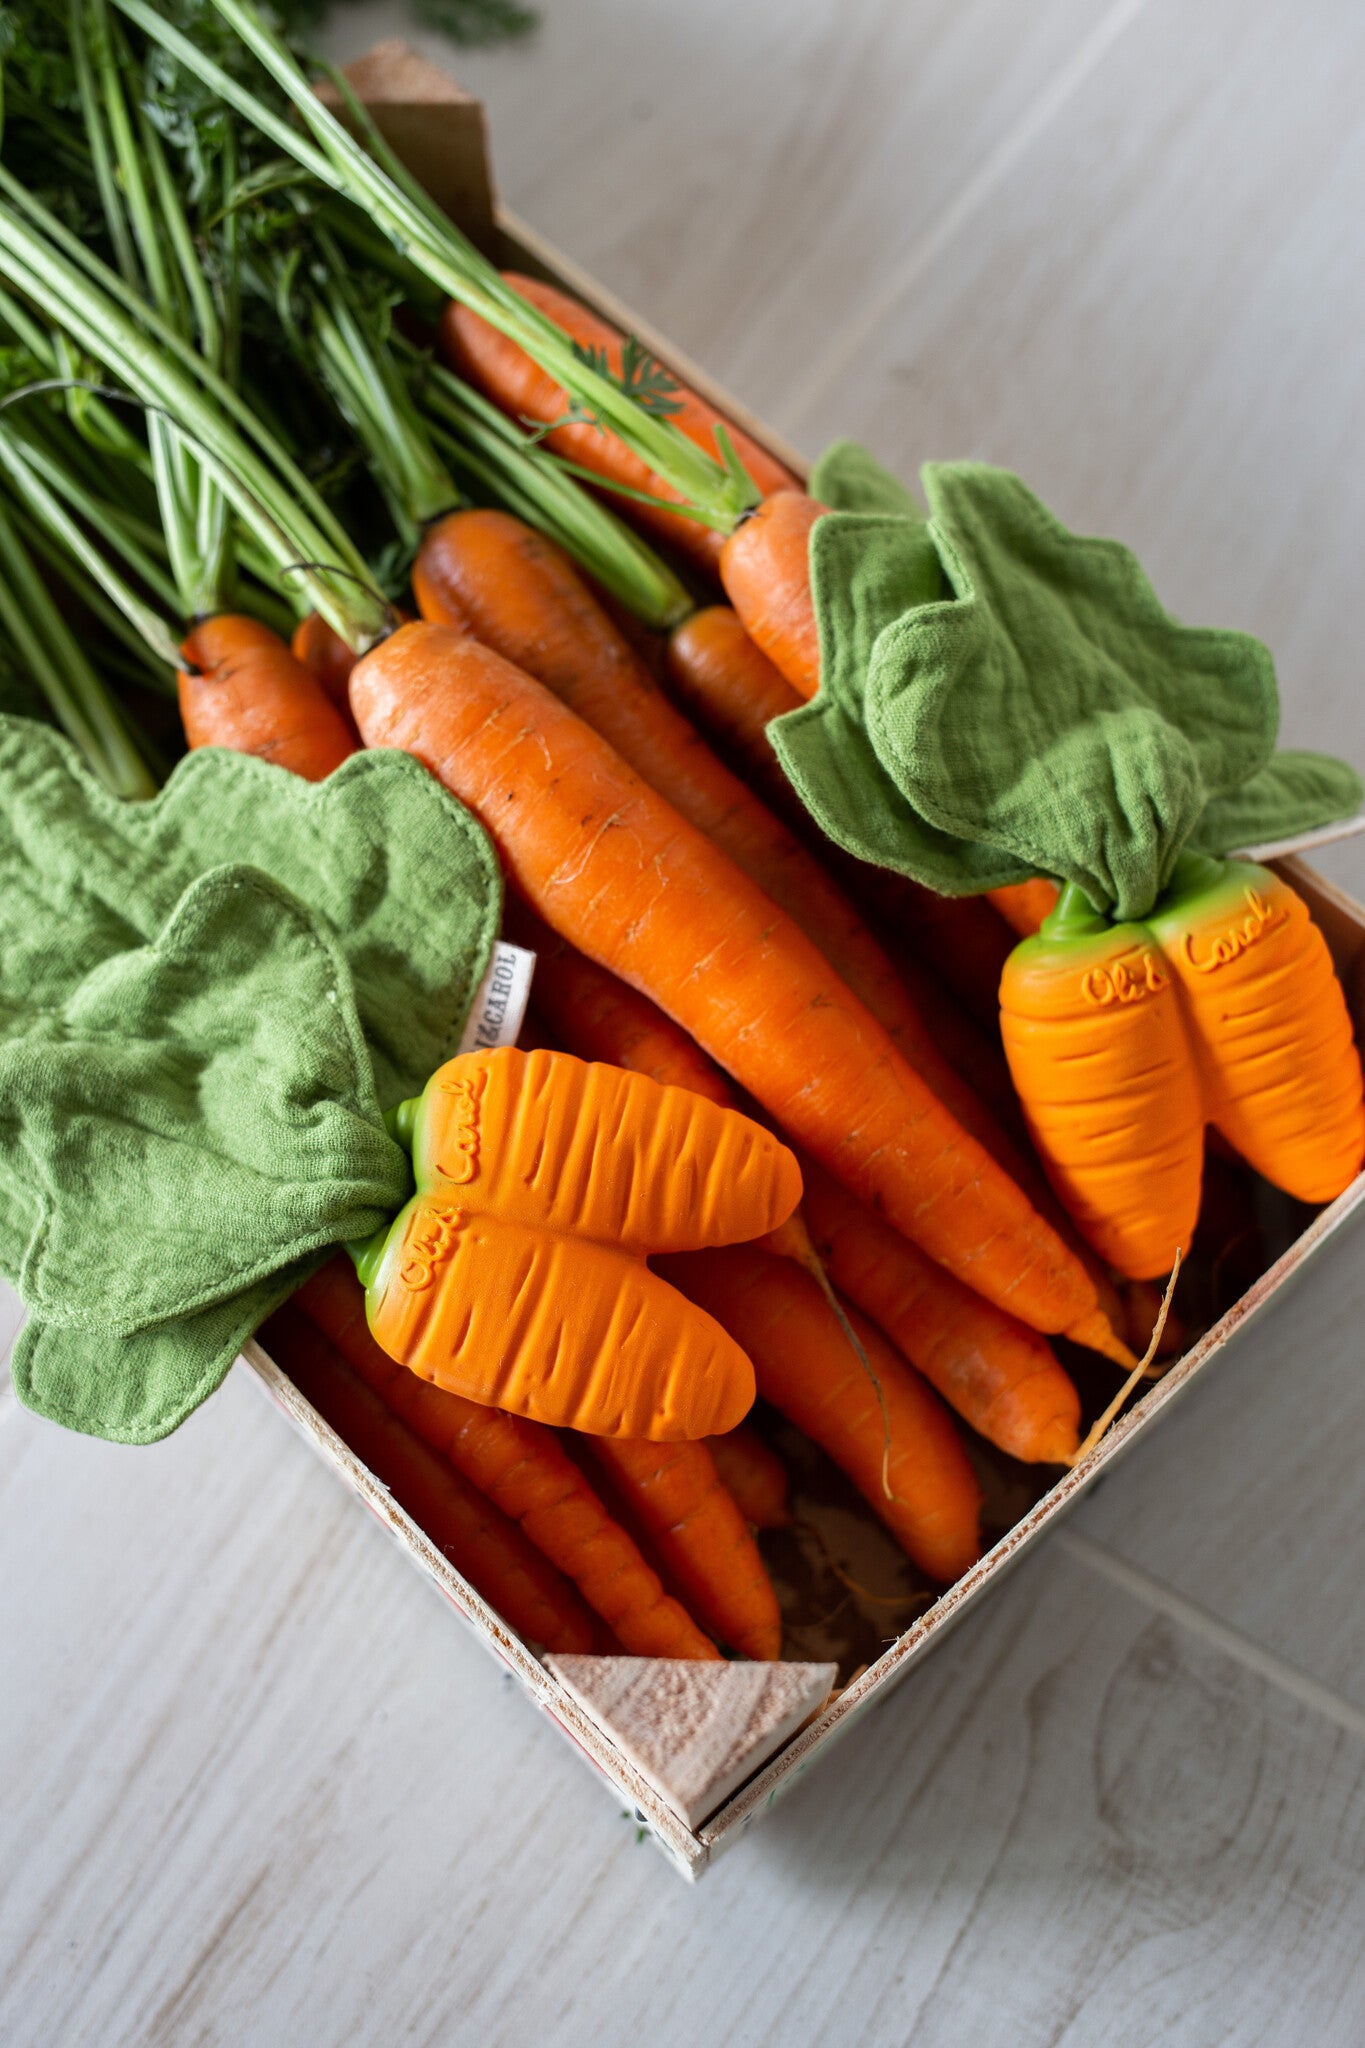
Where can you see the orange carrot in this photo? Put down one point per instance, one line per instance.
(241, 687)
(765, 567)
(1024, 905)
(1270, 1031)
(509, 377)
(483, 1545)
(325, 655)
(617, 872)
(525, 1472)
(1001, 1377)
(753, 1475)
(515, 1275)
(492, 575)
(806, 1368)
(1097, 1046)
(672, 1495)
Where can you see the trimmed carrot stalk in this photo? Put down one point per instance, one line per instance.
(765, 567)
(241, 687)
(492, 575)
(1097, 1044)
(507, 375)
(1001, 1377)
(525, 1471)
(674, 1497)
(1024, 905)
(475, 1537)
(806, 1369)
(1268, 1020)
(753, 1475)
(618, 873)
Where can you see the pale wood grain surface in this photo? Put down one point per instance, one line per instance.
(259, 1787)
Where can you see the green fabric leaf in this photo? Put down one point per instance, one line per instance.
(198, 1113)
(1295, 792)
(195, 1054)
(1002, 698)
(136, 1390)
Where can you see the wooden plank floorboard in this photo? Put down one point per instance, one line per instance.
(744, 175)
(261, 1788)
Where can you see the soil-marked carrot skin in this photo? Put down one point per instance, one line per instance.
(806, 1369)
(673, 1496)
(753, 1475)
(1095, 1037)
(484, 1546)
(1269, 1024)
(516, 1274)
(525, 1471)
(241, 687)
(618, 873)
(509, 377)
(1000, 1376)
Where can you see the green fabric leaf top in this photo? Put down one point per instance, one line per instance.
(195, 1054)
(1002, 698)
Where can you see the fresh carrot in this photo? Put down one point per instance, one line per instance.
(525, 1471)
(1270, 1031)
(673, 1498)
(325, 655)
(516, 1273)
(1024, 905)
(617, 872)
(487, 573)
(1098, 1049)
(1001, 1377)
(930, 1499)
(765, 567)
(727, 684)
(753, 1475)
(241, 687)
(483, 1545)
(508, 376)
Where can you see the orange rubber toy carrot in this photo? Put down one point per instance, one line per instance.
(525, 1472)
(509, 377)
(241, 687)
(673, 1497)
(806, 1369)
(1001, 1377)
(617, 872)
(515, 1275)
(485, 1547)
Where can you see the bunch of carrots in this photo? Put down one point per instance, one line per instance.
(578, 595)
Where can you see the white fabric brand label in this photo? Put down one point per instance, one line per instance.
(496, 1014)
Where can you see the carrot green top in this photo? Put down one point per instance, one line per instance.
(1002, 698)
(195, 1054)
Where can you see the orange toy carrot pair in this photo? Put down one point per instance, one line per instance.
(1223, 1008)
(516, 1275)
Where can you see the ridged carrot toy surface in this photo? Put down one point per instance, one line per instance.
(1125, 1040)
(516, 1276)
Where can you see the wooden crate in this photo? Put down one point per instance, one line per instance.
(751, 1749)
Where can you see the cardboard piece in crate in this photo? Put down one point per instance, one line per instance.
(699, 1751)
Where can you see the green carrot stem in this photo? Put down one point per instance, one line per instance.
(50, 652)
(717, 488)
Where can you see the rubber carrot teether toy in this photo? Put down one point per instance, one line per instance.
(1124, 1040)
(516, 1274)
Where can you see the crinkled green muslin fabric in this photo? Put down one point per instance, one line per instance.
(1002, 698)
(196, 1050)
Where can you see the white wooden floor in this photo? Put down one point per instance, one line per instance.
(257, 1786)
